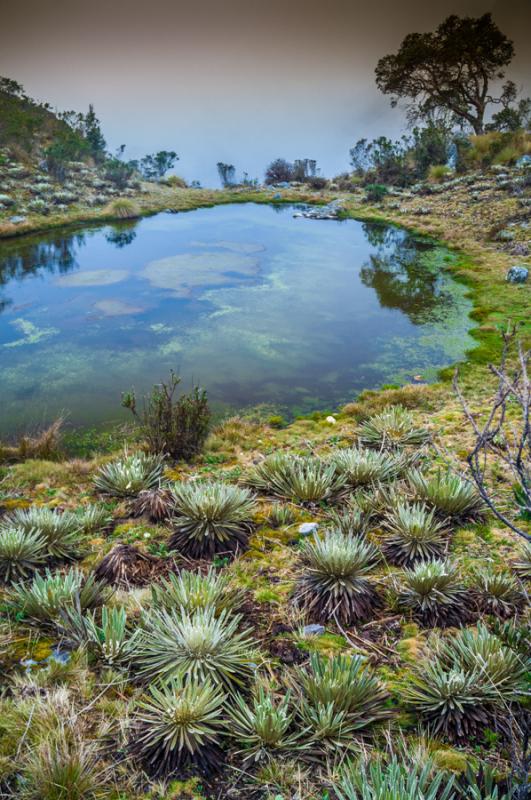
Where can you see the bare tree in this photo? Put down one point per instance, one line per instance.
(498, 436)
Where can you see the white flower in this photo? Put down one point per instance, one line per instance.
(331, 420)
(147, 535)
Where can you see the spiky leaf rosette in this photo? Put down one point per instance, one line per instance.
(46, 596)
(130, 475)
(199, 646)
(414, 534)
(279, 515)
(210, 518)
(339, 699)
(350, 522)
(357, 467)
(21, 553)
(179, 724)
(261, 728)
(395, 780)
(109, 641)
(480, 652)
(451, 701)
(333, 581)
(303, 479)
(449, 494)
(433, 593)
(93, 518)
(61, 531)
(498, 593)
(194, 591)
(523, 565)
(393, 428)
(156, 503)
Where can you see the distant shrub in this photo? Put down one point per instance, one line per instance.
(494, 147)
(175, 426)
(119, 172)
(375, 192)
(317, 182)
(437, 173)
(123, 209)
(175, 182)
(279, 171)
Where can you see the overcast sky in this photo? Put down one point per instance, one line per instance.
(242, 81)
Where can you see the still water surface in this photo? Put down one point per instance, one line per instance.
(250, 302)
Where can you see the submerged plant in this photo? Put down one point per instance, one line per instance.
(395, 780)
(179, 724)
(60, 531)
(261, 728)
(21, 553)
(333, 582)
(339, 698)
(449, 494)
(194, 591)
(498, 593)
(413, 534)
(434, 594)
(303, 479)
(199, 646)
(129, 475)
(393, 428)
(210, 518)
(46, 596)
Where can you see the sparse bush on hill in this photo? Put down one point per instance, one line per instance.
(175, 426)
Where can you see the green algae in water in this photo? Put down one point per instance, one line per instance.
(253, 304)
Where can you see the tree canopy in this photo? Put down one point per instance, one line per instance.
(451, 69)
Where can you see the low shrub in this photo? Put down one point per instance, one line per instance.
(130, 475)
(178, 426)
(375, 192)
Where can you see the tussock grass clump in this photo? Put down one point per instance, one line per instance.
(413, 534)
(434, 594)
(334, 580)
(44, 445)
(47, 596)
(395, 780)
(262, 728)
(179, 724)
(194, 591)
(358, 467)
(64, 767)
(210, 518)
(303, 479)
(339, 699)
(61, 531)
(123, 208)
(449, 494)
(21, 553)
(200, 646)
(497, 593)
(130, 475)
(393, 428)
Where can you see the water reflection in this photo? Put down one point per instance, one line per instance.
(401, 278)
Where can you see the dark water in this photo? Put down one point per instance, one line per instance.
(257, 306)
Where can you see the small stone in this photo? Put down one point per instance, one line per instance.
(307, 528)
(17, 219)
(331, 420)
(313, 630)
(517, 274)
